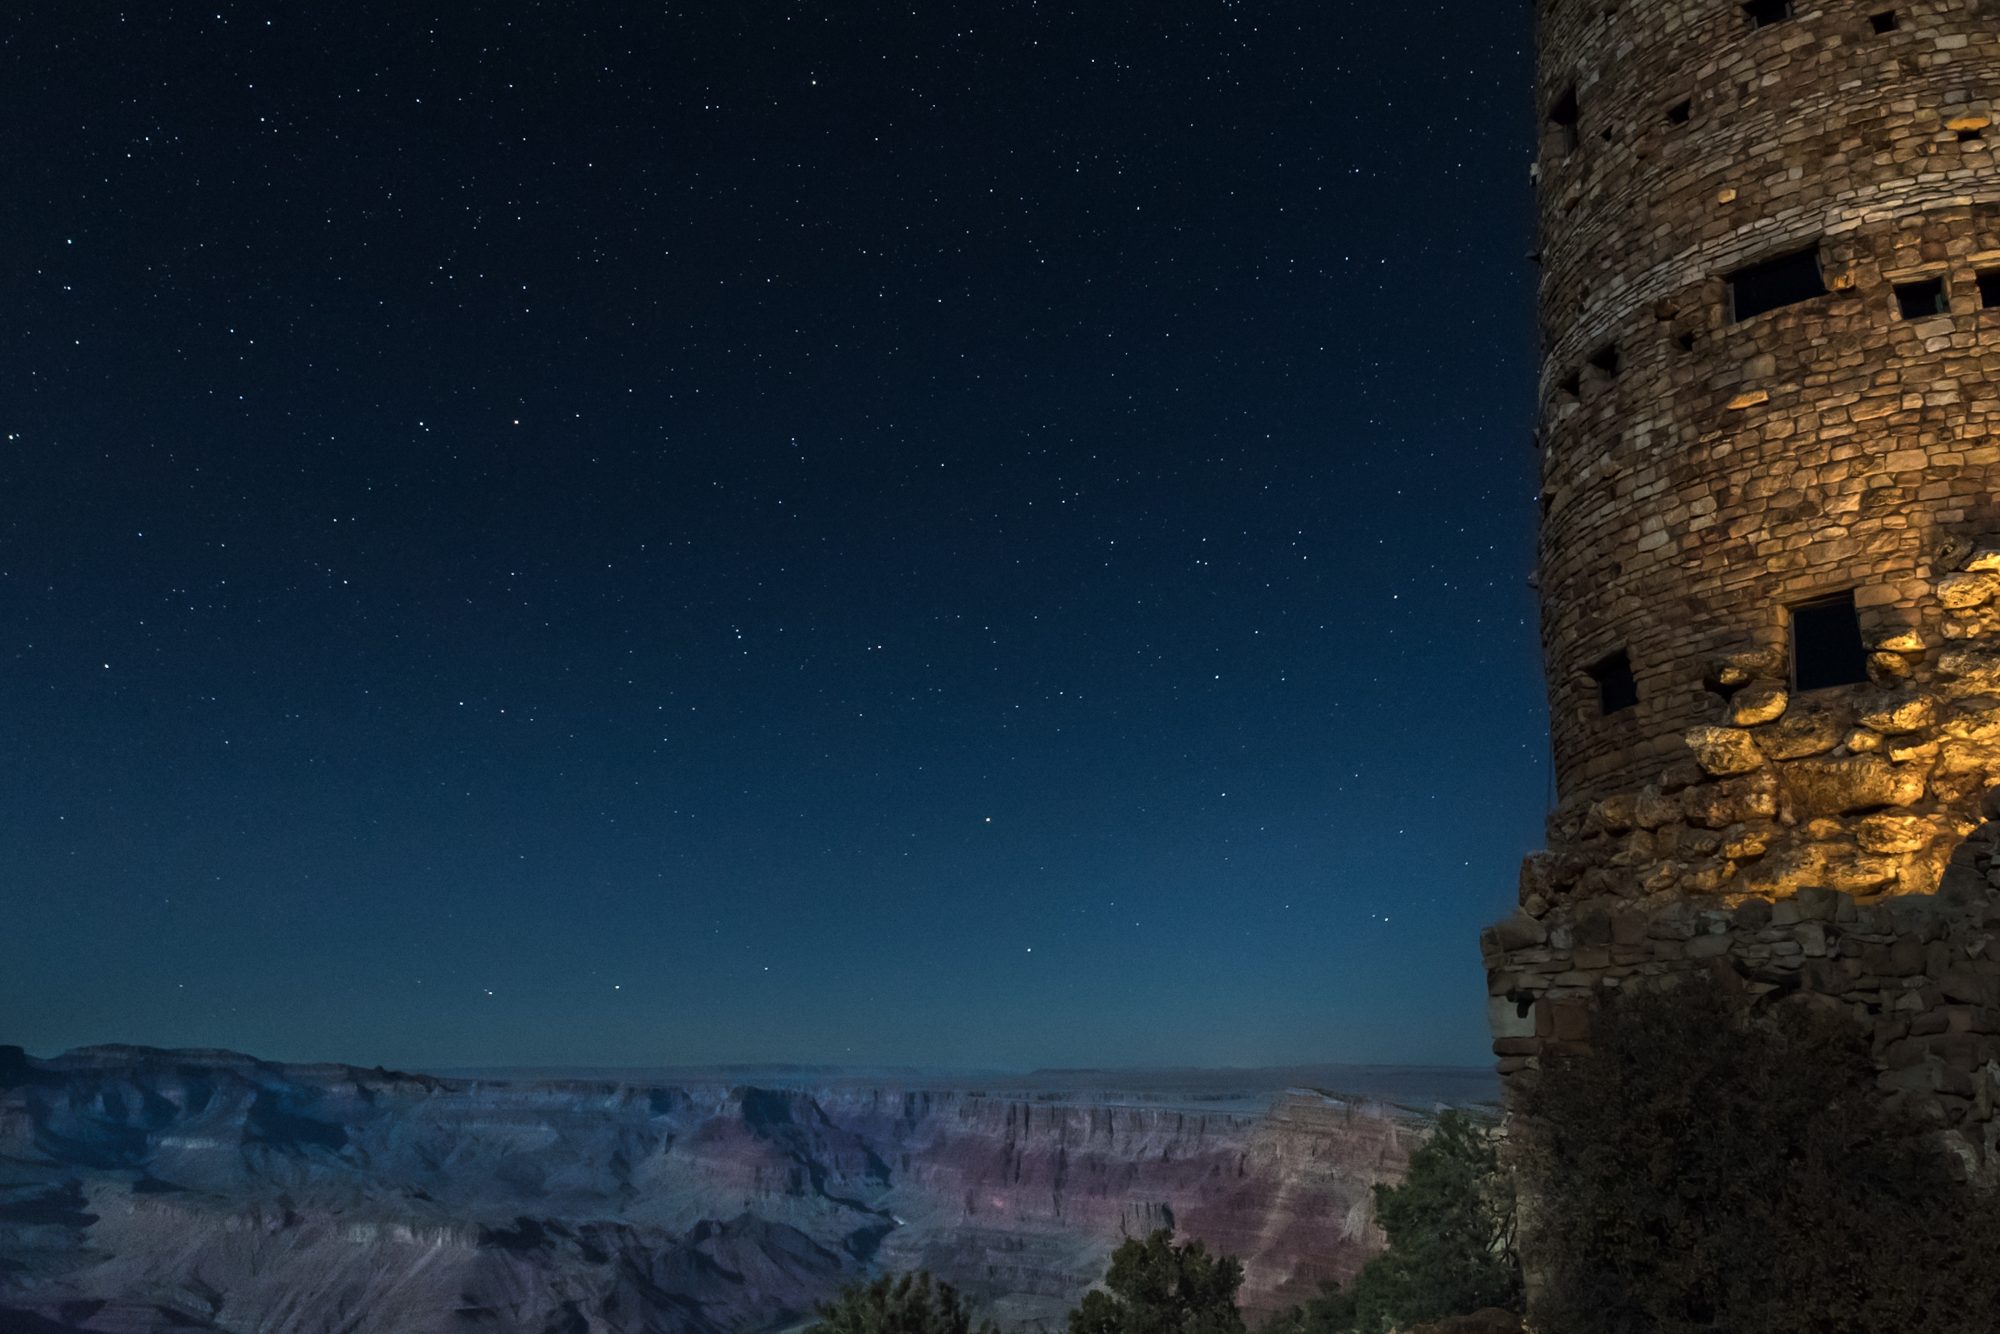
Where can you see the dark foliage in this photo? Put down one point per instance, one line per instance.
(1704, 1168)
(911, 1304)
(1450, 1228)
(1156, 1287)
(1332, 1312)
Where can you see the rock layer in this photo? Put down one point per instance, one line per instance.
(145, 1189)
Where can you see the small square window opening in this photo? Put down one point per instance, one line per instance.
(1884, 22)
(1989, 289)
(1606, 359)
(1826, 643)
(1680, 113)
(1763, 13)
(1774, 283)
(1617, 689)
(1922, 299)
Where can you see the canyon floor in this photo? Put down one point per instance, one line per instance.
(145, 1190)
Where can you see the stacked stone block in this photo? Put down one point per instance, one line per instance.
(1924, 971)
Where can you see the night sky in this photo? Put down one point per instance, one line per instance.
(969, 534)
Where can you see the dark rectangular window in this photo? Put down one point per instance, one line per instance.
(1567, 116)
(1884, 22)
(1989, 289)
(1826, 644)
(1606, 360)
(1763, 13)
(1617, 690)
(1772, 284)
(1680, 112)
(1922, 299)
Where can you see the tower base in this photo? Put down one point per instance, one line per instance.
(1921, 972)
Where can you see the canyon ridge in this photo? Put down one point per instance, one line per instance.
(202, 1190)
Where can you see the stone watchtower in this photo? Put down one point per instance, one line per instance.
(1770, 552)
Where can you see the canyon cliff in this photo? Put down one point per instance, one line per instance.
(144, 1190)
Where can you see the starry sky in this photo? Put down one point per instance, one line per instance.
(972, 534)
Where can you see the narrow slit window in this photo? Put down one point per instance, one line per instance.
(1606, 360)
(1972, 136)
(1763, 13)
(1826, 643)
(1884, 22)
(1773, 284)
(1567, 116)
(1989, 289)
(1617, 690)
(1681, 112)
(1922, 299)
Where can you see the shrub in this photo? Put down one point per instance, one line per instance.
(1450, 1228)
(1704, 1168)
(1156, 1287)
(906, 1305)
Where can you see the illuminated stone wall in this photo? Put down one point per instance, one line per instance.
(1706, 470)
(1694, 491)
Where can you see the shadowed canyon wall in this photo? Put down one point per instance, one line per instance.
(145, 1189)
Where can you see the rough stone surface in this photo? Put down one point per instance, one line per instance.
(1680, 529)
(1864, 450)
(1808, 729)
(1704, 474)
(1855, 783)
(1760, 704)
(1722, 751)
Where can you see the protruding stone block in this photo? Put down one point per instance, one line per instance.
(1808, 729)
(1519, 931)
(1896, 832)
(1898, 713)
(1506, 1019)
(1972, 668)
(1854, 783)
(1724, 750)
(1958, 592)
(1757, 705)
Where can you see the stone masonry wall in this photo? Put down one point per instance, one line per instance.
(1707, 473)
(1841, 844)
(1704, 474)
(1924, 972)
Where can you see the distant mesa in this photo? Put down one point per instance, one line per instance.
(138, 1177)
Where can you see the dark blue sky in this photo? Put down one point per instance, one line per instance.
(982, 534)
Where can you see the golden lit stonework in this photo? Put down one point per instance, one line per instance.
(1770, 555)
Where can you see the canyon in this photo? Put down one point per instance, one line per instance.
(147, 1190)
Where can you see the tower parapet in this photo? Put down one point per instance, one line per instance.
(1770, 552)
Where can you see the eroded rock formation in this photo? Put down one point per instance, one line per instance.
(146, 1190)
